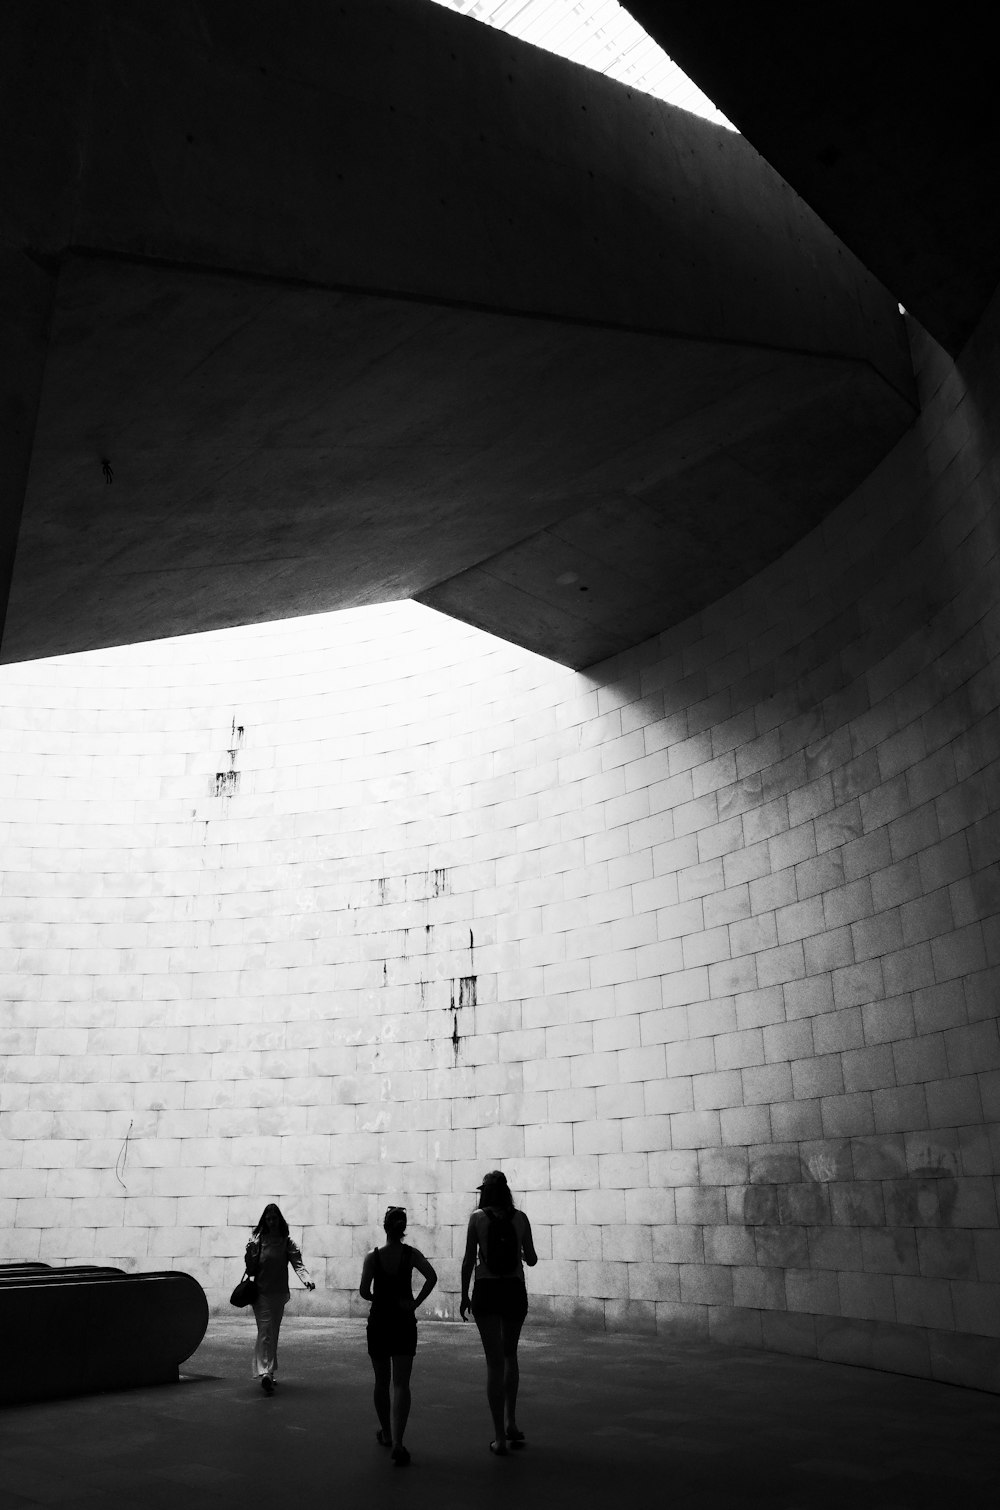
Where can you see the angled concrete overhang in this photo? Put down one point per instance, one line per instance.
(889, 129)
(367, 301)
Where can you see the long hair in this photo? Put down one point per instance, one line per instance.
(261, 1226)
(494, 1191)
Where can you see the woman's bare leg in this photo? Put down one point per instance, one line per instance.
(491, 1332)
(511, 1374)
(401, 1366)
(383, 1374)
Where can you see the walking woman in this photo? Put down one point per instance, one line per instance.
(498, 1244)
(269, 1253)
(387, 1281)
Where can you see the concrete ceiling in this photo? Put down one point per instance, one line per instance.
(367, 302)
(884, 122)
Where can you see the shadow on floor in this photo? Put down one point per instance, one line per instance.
(607, 1417)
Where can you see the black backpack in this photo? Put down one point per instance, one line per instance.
(503, 1246)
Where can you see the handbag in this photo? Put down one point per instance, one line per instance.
(245, 1293)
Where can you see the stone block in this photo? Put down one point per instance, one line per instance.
(778, 966)
(723, 907)
(868, 1069)
(786, 851)
(946, 1254)
(693, 1056)
(923, 1302)
(705, 948)
(827, 951)
(855, 985)
(755, 1009)
(814, 1291)
(954, 1103)
(858, 1203)
(753, 934)
(696, 1129)
(796, 1120)
(741, 1126)
(576, 1173)
(645, 1063)
(890, 1250)
(673, 1168)
(701, 1206)
(894, 885)
(654, 1282)
(800, 920)
(914, 831)
(729, 1245)
(866, 855)
(771, 892)
(818, 1076)
(759, 1289)
(705, 1284)
(684, 918)
(723, 1166)
(977, 1308)
(836, 1248)
(741, 1049)
(661, 1097)
(678, 1245)
(714, 1091)
(973, 1048)
(808, 998)
(646, 1134)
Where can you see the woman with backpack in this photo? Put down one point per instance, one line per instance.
(498, 1244)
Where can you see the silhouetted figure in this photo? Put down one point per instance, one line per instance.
(497, 1246)
(269, 1253)
(387, 1281)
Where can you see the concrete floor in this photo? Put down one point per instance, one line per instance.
(609, 1418)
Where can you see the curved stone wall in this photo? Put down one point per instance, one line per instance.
(700, 947)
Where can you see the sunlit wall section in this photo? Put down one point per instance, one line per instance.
(263, 895)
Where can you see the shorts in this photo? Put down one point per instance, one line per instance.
(393, 1336)
(506, 1298)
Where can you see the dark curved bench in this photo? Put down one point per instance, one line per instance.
(84, 1328)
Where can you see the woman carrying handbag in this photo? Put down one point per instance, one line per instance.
(268, 1255)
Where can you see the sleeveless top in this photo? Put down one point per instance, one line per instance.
(388, 1289)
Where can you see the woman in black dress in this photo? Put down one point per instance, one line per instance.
(387, 1281)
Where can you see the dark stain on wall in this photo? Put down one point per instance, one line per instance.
(790, 1198)
(467, 991)
(227, 783)
(464, 996)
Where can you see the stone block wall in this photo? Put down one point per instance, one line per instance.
(700, 947)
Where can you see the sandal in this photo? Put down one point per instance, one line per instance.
(514, 1436)
(498, 1451)
(400, 1457)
